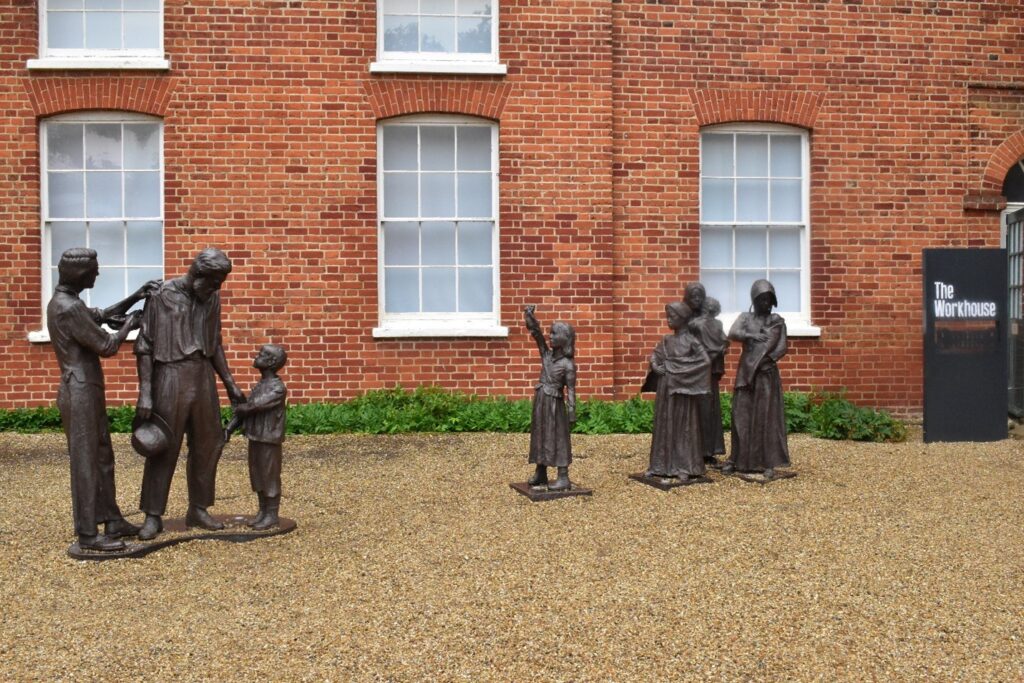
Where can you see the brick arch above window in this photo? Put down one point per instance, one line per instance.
(713, 106)
(484, 99)
(987, 193)
(144, 95)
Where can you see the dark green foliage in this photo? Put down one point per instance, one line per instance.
(833, 417)
(30, 420)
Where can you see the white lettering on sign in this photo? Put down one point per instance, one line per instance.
(947, 306)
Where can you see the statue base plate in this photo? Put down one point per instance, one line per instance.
(758, 478)
(667, 483)
(541, 493)
(175, 532)
(713, 464)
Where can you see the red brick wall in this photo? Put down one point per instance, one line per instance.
(270, 118)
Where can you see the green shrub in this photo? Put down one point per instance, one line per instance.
(834, 417)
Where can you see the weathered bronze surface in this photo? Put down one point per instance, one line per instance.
(708, 329)
(541, 493)
(668, 483)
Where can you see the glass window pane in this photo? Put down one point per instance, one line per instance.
(109, 287)
(102, 194)
(103, 145)
(476, 290)
(152, 5)
(438, 194)
(439, 244)
(784, 248)
(787, 202)
(401, 244)
(744, 279)
(475, 195)
(145, 243)
(401, 290)
(108, 241)
(716, 155)
(400, 7)
(64, 236)
(474, 148)
(475, 244)
(438, 148)
(437, 6)
(475, 35)
(786, 153)
(752, 155)
(142, 30)
(103, 4)
(64, 31)
(140, 276)
(142, 194)
(103, 30)
(715, 248)
(66, 196)
(752, 200)
(716, 200)
(437, 34)
(751, 248)
(142, 146)
(64, 4)
(718, 284)
(399, 148)
(401, 34)
(475, 7)
(787, 289)
(64, 146)
(401, 197)
(438, 290)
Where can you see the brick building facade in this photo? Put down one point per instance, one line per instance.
(395, 179)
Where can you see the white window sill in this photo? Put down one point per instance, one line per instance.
(438, 67)
(104, 63)
(795, 327)
(43, 336)
(429, 329)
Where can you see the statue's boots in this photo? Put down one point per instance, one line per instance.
(199, 517)
(261, 514)
(540, 476)
(119, 528)
(270, 518)
(562, 483)
(728, 467)
(769, 474)
(151, 527)
(100, 542)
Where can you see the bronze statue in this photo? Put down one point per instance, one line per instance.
(550, 445)
(178, 350)
(681, 371)
(758, 412)
(262, 419)
(708, 329)
(78, 342)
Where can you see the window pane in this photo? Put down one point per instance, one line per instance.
(718, 284)
(103, 145)
(787, 204)
(64, 146)
(784, 248)
(103, 4)
(142, 190)
(64, 31)
(109, 288)
(475, 7)
(145, 243)
(401, 244)
(474, 148)
(140, 276)
(66, 195)
(142, 30)
(744, 279)
(475, 35)
(787, 289)
(475, 195)
(142, 146)
(400, 7)
(438, 194)
(103, 30)
(438, 153)
(64, 4)
(716, 155)
(437, 34)
(786, 153)
(752, 200)
(401, 290)
(439, 244)
(401, 198)
(476, 290)
(438, 290)
(752, 155)
(153, 5)
(64, 236)
(108, 241)
(437, 6)
(475, 244)
(752, 248)
(716, 200)
(399, 148)
(102, 194)
(716, 248)
(401, 34)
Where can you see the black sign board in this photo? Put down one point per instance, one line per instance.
(965, 344)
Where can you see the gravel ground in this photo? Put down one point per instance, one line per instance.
(414, 560)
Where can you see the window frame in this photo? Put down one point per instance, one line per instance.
(47, 282)
(798, 323)
(440, 324)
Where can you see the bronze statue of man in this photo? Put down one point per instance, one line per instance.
(79, 342)
(179, 349)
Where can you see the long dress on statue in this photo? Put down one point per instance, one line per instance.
(711, 334)
(550, 444)
(683, 369)
(758, 411)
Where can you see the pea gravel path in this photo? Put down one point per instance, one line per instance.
(414, 561)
